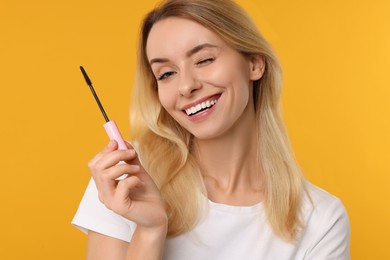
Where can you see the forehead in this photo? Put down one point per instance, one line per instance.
(175, 35)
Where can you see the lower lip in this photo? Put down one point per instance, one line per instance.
(202, 115)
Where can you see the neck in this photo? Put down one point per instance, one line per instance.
(230, 165)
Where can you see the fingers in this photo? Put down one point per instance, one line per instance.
(109, 157)
(115, 199)
(113, 158)
(107, 183)
(108, 165)
(123, 168)
(111, 146)
(122, 194)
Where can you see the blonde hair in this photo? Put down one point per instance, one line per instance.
(165, 146)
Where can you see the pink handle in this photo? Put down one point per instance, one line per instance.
(114, 134)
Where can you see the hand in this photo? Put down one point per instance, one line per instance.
(135, 197)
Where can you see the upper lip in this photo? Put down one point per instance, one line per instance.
(199, 101)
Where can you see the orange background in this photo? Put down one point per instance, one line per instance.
(336, 102)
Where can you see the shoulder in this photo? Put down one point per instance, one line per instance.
(327, 228)
(320, 206)
(320, 203)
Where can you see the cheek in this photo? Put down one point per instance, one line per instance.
(228, 72)
(167, 99)
(162, 97)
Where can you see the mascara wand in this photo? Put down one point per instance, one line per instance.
(89, 83)
(110, 125)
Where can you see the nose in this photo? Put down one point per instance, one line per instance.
(188, 84)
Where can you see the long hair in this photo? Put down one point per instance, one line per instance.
(165, 147)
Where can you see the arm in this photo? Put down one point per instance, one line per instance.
(101, 247)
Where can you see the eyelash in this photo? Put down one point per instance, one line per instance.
(165, 75)
(170, 73)
(208, 60)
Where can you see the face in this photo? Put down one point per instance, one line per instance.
(204, 84)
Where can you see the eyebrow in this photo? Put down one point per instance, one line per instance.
(198, 48)
(191, 52)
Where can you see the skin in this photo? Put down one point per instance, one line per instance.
(190, 69)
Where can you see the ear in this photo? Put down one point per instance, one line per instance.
(257, 67)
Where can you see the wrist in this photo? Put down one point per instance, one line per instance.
(147, 243)
(152, 233)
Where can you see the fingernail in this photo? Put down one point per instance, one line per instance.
(130, 151)
(111, 143)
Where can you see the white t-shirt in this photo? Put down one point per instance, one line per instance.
(234, 232)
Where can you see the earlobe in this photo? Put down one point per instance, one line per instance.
(257, 67)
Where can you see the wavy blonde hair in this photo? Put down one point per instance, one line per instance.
(165, 147)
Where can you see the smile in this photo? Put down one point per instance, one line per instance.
(201, 107)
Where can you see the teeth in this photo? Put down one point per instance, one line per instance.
(201, 106)
(193, 110)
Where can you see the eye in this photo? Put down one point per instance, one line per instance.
(165, 75)
(205, 61)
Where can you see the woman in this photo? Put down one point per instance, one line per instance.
(218, 179)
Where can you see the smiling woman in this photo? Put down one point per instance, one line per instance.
(218, 179)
